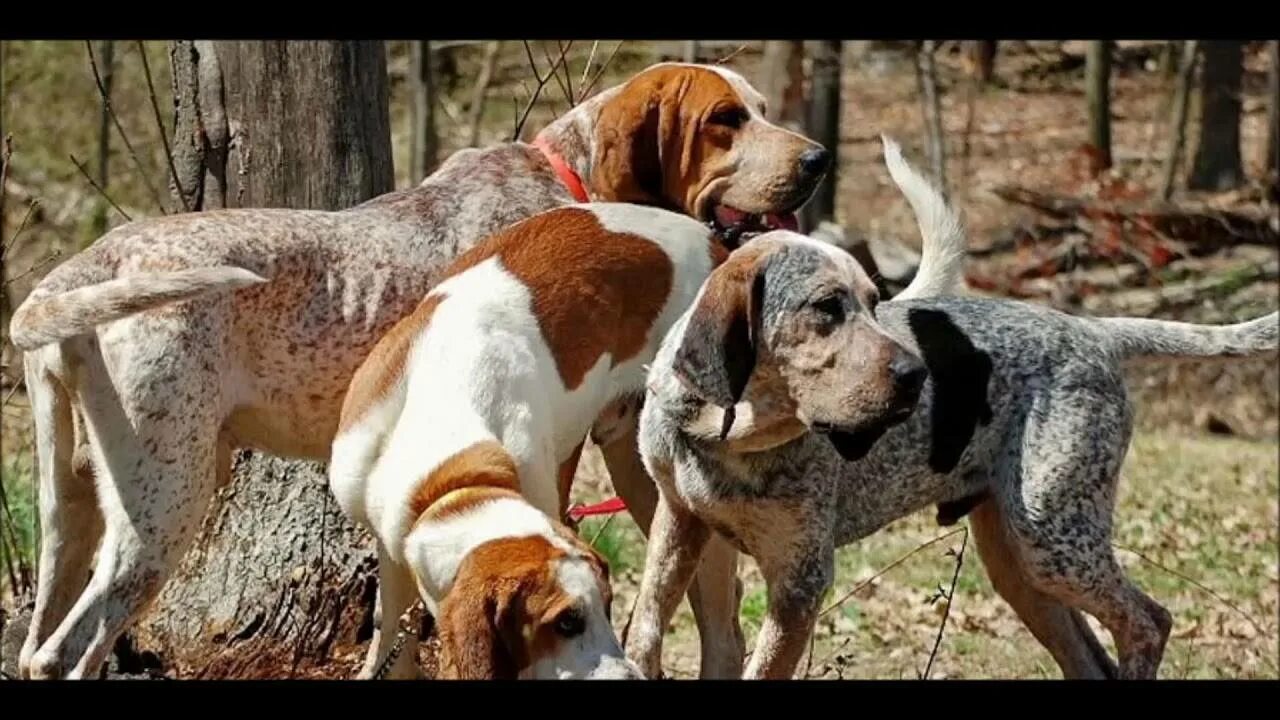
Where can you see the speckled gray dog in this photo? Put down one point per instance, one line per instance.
(1021, 421)
(172, 340)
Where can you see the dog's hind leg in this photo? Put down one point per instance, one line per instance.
(1061, 630)
(70, 521)
(1061, 527)
(155, 435)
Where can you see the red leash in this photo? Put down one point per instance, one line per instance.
(608, 507)
(566, 173)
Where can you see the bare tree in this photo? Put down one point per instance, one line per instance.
(782, 81)
(980, 55)
(1217, 160)
(278, 577)
(931, 103)
(824, 126)
(1178, 123)
(422, 131)
(1097, 73)
(107, 52)
(480, 93)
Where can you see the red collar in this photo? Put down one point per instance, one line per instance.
(566, 173)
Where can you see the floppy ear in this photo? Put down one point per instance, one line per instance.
(718, 351)
(476, 636)
(631, 147)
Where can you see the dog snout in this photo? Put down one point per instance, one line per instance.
(814, 162)
(909, 374)
(616, 668)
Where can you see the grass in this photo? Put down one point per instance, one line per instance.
(21, 511)
(1202, 506)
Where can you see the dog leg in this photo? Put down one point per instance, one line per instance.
(70, 521)
(795, 594)
(716, 591)
(1061, 630)
(396, 592)
(676, 541)
(156, 474)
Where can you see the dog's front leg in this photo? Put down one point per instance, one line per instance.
(795, 593)
(676, 541)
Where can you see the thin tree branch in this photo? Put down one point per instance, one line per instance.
(555, 72)
(106, 98)
(736, 51)
(586, 91)
(11, 242)
(164, 136)
(99, 189)
(533, 96)
(568, 77)
(950, 596)
(480, 92)
(843, 599)
(586, 69)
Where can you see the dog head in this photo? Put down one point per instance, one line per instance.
(694, 138)
(532, 608)
(788, 324)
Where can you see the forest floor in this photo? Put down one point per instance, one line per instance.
(1197, 521)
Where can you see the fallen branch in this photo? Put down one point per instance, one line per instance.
(889, 567)
(949, 595)
(106, 99)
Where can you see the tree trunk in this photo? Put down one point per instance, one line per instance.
(1097, 73)
(278, 579)
(980, 55)
(931, 104)
(1217, 159)
(98, 225)
(422, 132)
(824, 126)
(479, 94)
(691, 51)
(1178, 124)
(783, 82)
(1273, 112)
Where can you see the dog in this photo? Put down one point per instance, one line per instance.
(171, 341)
(779, 415)
(459, 437)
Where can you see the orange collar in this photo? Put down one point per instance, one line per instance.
(566, 173)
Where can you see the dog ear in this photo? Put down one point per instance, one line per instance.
(476, 636)
(628, 162)
(717, 354)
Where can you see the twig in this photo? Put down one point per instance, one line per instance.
(555, 73)
(21, 226)
(604, 526)
(568, 77)
(586, 91)
(733, 54)
(106, 98)
(889, 567)
(53, 255)
(586, 69)
(164, 137)
(950, 596)
(1198, 585)
(827, 658)
(533, 97)
(100, 190)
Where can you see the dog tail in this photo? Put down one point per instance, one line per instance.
(55, 317)
(1147, 338)
(943, 242)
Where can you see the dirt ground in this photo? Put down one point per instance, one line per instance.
(1197, 519)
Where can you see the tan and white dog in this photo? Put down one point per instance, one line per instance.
(460, 433)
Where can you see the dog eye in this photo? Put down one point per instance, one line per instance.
(832, 308)
(570, 623)
(732, 118)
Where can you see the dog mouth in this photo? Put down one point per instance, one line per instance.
(735, 226)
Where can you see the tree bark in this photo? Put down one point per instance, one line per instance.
(931, 104)
(1273, 111)
(479, 94)
(278, 579)
(1217, 160)
(783, 82)
(1178, 124)
(422, 132)
(824, 126)
(98, 223)
(981, 58)
(1097, 72)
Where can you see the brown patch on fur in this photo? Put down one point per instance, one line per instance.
(568, 469)
(563, 256)
(485, 465)
(653, 143)
(385, 363)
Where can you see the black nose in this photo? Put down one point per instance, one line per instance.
(909, 372)
(814, 161)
